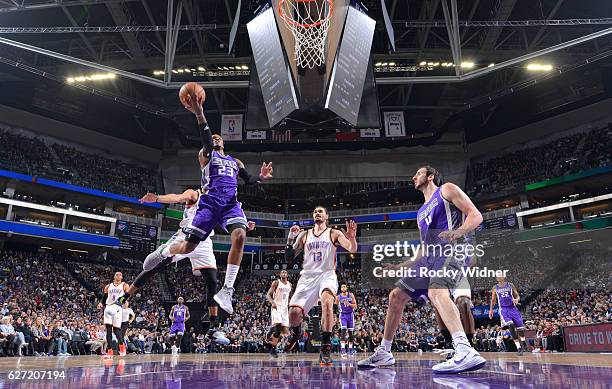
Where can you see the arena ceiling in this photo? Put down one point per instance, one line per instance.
(489, 31)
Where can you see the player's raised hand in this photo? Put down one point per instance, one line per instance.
(294, 231)
(251, 225)
(266, 171)
(148, 198)
(351, 229)
(195, 105)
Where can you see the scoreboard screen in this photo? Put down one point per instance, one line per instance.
(351, 66)
(136, 237)
(275, 80)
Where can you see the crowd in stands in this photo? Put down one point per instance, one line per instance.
(32, 156)
(49, 308)
(566, 155)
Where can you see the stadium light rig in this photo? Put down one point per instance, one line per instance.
(91, 77)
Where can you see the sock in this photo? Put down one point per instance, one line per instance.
(326, 338)
(448, 339)
(386, 344)
(342, 344)
(230, 275)
(350, 346)
(166, 252)
(461, 342)
(517, 343)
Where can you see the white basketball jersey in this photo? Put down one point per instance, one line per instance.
(281, 294)
(114, 292)
(319, 252)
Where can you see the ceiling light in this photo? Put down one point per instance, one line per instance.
(422, 63)
(201, 68)
(491, 65)
(537, 67)
(467, 65)
(180, 71)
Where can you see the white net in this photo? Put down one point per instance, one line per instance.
(309, 22)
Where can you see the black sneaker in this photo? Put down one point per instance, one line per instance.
(325, 358)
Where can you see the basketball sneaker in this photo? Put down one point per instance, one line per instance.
(154, 259)
(108, 355)
(122, 350)
(217, 336)
(224, 299)
(380, 358)
(466, 360)
(325, 358)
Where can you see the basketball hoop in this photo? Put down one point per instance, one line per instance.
(309, 21)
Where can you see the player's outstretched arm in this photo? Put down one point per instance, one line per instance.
(347, 238)
(187, 315)
(264, 174)
(473, 217)
(170, 198)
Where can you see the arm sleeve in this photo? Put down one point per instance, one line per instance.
(247, 178)
(206, 137)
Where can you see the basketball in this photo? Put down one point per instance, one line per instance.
(191, 88)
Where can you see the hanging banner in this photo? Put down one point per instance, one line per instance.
(231, 127)
(394, 124)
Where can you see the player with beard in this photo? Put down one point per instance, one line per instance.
(447, 219)
(218, 205)
(318, 280)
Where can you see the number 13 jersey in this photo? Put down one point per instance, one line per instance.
(319, 252)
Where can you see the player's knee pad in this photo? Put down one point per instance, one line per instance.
(277, 331)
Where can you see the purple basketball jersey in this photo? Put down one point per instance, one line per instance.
(437, 215)
(179, 313)
(344, 302)
(220, 175)
(504, 295)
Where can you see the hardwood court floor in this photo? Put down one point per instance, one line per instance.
(503, 370)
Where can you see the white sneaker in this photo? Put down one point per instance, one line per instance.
(154, 259)
(224, 299)
(460, 362)
(380, 358)
(220, 338)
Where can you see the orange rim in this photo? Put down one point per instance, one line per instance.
(294, 23)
